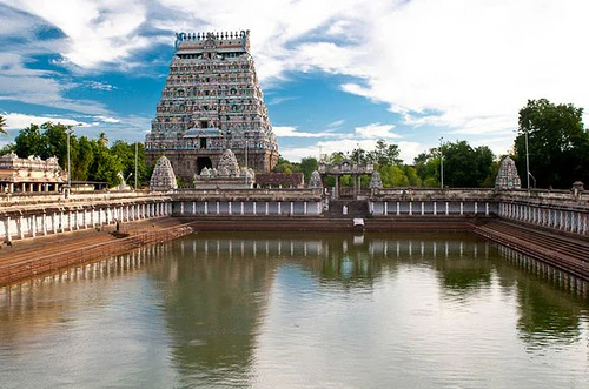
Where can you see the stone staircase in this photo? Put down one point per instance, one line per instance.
(356, 208)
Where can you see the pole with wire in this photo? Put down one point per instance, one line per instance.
(442, 160)
(136, 163)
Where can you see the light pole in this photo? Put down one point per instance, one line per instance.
(245, 175)
(69, 159)
(528, 156)
(442, 160)
(136, 162)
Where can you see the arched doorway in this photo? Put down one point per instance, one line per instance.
(202, 162)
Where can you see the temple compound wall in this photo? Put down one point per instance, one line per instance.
(212, 101)
(23, 216)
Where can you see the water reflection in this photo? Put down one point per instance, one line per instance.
(300, 310)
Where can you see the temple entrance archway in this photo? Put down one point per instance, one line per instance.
(202, 162)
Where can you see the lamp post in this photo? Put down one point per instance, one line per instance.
(442, 160)
(245, 174)
(528, 156)
(136, 162)
(69, 160)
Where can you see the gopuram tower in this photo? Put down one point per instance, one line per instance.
(211, 102)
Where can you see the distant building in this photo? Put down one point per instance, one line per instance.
(211, 102)
(32, 174)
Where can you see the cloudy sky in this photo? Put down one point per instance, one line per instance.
(335, 73)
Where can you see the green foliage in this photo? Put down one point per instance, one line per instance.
(558, 144)
(91, 160)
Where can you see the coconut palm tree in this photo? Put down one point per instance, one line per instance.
(2, 125)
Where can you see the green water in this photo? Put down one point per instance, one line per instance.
(297, 310)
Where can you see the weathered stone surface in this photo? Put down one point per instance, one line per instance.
(375, 181)
(315, 181)
(163, 176)
(507, 177)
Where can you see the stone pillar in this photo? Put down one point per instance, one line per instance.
(386, 207)
(255, 207)
(267, 207)
(422, 208)
(398, 209)
(21, 230)
(292, 208)
(194, 207)
(476, 207)
(33, 225)
(181, 207)
(44, 222)
(241, 208)
(230, 210)
(435, 208)
(206, 207)
(462, 207)
(11, 190)
(279, 206)
(7, 226)
(486, 209)
(447, 208)
(217, 207)
(305, 208)
(411, 208)
(573, 221)
(337, 186)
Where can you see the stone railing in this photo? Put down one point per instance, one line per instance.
(51, 198)
(426, 194)
(284, 194)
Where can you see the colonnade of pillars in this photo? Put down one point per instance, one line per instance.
(561, 219)
(250, 208)
(433, 207)
(61, 220)
(26, 187)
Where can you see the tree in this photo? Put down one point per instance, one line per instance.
(308, 166)
(465, 167)
(385, 154)
(28, 142)
(3, 126)
(558, 144)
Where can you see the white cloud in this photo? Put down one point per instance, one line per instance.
(37, 86)
(101, 86)
(106, 119)
(291, 131)
(335, 124)
(409, 150)
(20, 120)
(97, 30)
(377, 130)
(473, 64)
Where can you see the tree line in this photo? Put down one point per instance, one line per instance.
(91, 159)
(558, 147)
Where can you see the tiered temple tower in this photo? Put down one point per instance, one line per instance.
(211, 102)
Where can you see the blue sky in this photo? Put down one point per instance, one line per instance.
(335, 74)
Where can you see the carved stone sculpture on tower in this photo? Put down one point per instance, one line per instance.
(507, 177)
(228, 165)
(163, 176)
(315, 181)
(375, 181)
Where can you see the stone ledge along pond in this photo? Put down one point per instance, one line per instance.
(298, 310)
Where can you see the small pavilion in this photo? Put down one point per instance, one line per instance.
(19, 175)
